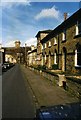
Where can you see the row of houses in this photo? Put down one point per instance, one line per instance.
(61, 47)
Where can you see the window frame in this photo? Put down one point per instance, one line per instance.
(77, 28)
(76, 58)
(55, 58)
(49, 44)
(64, 35)
(55, 41)
(45, 45)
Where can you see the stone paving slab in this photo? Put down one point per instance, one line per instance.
(45, 92)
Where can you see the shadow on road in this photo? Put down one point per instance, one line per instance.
(58, 112)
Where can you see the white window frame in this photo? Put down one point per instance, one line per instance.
(77, 28)
(76, 58)
(64, 35)
(45, 45)
(49, 43)
(55, 41)
(55, 58)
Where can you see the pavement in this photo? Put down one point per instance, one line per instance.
(44, 92)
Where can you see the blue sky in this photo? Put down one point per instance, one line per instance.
(22, 20)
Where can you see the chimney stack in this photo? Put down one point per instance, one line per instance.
(65, 16)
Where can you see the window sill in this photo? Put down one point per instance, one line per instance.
(49, 46)
(63, 41)
(76, 36)
(77, 66)
(55, 44)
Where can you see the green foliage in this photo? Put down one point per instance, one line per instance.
(40, 67)
(55, 67)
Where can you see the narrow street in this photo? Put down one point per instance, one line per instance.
(24, 91)
(17, 101)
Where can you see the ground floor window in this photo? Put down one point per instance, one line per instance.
(55, 58)
(78, 57)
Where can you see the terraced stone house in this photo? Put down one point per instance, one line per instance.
(32, 56)
(40, 35)
(61, 48)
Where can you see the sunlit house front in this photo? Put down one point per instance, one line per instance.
(61, 48)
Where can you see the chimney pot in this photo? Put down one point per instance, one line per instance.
(65, 16)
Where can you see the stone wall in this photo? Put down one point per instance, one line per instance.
(70, 84)
(74, 87)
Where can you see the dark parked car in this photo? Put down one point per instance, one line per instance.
(60, 112)
(6, 66)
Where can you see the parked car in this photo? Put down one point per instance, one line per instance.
(59, 112)
(6, 66)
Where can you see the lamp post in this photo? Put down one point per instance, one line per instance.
(25, 54)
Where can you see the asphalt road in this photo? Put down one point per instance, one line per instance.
(17, 100)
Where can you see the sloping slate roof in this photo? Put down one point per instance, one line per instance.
(35, 50)
(43, 31)
(67, 23)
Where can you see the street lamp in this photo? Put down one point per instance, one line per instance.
(25, 54)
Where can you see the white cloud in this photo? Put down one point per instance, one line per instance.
(10, 3)
(8, 41)
(10, 44)
(50, 13)
(31, 41)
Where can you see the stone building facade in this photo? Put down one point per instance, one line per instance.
(15, 54)
(32, 56)
(62, 46)
(40, 35)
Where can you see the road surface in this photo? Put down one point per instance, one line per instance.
(17, 100)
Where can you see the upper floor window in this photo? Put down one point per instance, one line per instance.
(45, 45)
(55, 41)
(64, 35)
(78, 57)
(42, 47)
(78, 28)
(49, 43)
